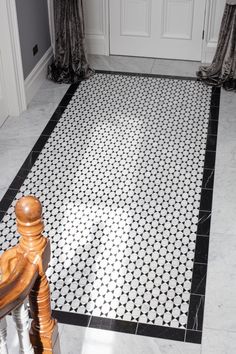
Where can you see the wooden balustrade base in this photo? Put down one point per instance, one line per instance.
(46, 343)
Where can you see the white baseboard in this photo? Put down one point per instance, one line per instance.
(35, 79)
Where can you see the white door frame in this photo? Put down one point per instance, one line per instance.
(12, 60)
(51, 23)
(208, 44)
(214, 13)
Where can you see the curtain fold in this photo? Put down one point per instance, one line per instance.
(70, 63)
(222, 71)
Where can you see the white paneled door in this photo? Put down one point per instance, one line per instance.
(157, 28)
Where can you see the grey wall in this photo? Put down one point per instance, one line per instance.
(33, 29)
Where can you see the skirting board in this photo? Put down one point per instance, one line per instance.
(38, 74)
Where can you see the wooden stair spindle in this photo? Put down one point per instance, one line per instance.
(44, 330)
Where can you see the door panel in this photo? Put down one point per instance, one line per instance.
(157, 28)
(138, 25)
(176, 27)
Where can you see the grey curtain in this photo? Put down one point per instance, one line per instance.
(70, 63)
(222, 71)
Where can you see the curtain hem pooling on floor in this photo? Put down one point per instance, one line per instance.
(70, 63)
(222, 71)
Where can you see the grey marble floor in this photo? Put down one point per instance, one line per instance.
(17, 137)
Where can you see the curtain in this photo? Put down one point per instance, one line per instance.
(70, 63)
(222, 71)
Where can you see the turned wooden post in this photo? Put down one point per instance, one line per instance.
(44, 330)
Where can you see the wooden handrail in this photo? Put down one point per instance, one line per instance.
(22, 270)
(18, 286)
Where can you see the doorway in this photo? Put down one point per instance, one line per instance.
(12, 87)
(170, 29)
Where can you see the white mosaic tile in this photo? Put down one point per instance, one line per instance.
(120, 183)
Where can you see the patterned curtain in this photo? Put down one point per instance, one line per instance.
(70, 63)
(222, 71)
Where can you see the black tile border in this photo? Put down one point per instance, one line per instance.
(161, 332)
(113, 325)
(204, 223)
(196, 309)
(208, 178)
(71, 318)
(193, 332)
(193, 336)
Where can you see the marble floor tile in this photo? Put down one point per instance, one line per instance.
(19, 134)
(227, 125)
(224, 199)
(88, 340)
(50, 95)
(28, 125)
(121, 63)
(175, 67)
(13, 153)
(220, 306)
(50, 85)
(3, 191)
(218, 342)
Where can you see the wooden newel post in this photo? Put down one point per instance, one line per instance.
(44, 330)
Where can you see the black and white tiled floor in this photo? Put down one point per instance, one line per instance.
(122, 176)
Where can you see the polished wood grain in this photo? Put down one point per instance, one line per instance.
(22, 270)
